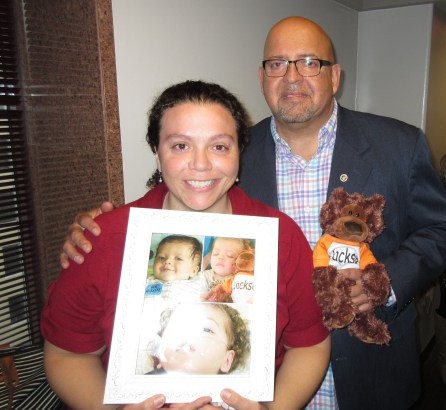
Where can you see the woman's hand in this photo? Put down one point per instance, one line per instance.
(152, 403)
(159, 402)
(231, 401)
(75, 238)
(234, 401)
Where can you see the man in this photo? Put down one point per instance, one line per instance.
(296, 158)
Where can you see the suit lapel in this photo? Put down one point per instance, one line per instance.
(351, 165)
(258, 166)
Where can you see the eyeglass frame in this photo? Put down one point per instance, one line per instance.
(322, 63)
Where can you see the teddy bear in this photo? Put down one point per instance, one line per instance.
(239, 288)
(350, 222)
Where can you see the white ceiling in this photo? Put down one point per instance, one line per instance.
(363, 5)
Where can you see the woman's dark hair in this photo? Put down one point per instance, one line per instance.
(197, 92)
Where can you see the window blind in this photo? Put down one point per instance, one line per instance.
(20, 300)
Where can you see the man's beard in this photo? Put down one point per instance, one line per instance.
(296, 113)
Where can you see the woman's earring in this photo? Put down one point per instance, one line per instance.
(160, 177)
(237, 180)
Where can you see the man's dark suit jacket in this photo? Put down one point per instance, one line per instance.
(374, 154)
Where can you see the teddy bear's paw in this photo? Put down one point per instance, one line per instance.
(336, 321)
(369, 329)
(323, 279)
(383, 338)
(338, 311)
(376, 283)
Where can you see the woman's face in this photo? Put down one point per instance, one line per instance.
(198, 155)
(195, 341)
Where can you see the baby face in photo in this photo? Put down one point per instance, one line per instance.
(224, 252)
(197, 340)
(176, 260)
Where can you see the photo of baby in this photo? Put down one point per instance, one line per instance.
(199, 339)
(167, 337)
(173, 271)
(230, 276)
(183, 335)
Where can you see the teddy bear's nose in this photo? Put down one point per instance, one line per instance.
(353, 227)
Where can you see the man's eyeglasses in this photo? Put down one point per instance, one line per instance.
(306, 67)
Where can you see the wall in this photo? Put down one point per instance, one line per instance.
(436, 112)
(401, 66)
(393, 62)
(72, 128)
(160, 43)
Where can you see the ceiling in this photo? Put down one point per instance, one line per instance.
(364, 5)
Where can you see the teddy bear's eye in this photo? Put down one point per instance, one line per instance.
(357, 215)
(350, 212)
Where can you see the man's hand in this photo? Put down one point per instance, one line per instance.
(75, 238)
(357, 293)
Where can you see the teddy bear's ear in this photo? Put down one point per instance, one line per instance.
(339, 194)
(378, 202)
(331, 208)
(375, 217)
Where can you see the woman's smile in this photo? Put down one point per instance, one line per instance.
(201, 184)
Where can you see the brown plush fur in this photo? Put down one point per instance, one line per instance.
(355, 218)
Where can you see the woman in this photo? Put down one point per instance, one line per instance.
(196, 131)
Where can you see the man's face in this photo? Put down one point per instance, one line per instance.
(294, 99)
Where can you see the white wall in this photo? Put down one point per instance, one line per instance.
(394, 54)
(160, 43)
(393, 62)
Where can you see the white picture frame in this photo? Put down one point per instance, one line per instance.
(138, 313)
